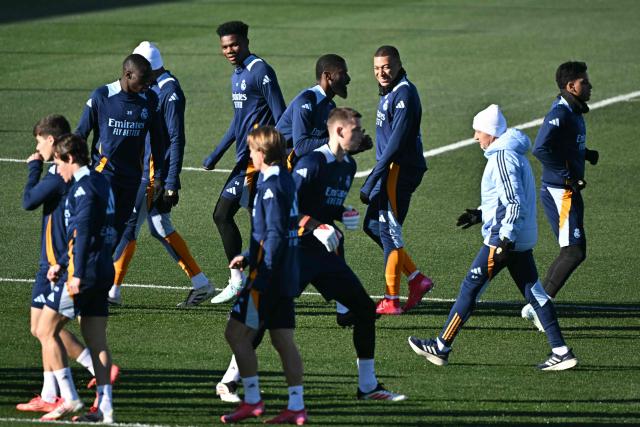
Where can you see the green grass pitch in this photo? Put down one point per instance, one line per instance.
(462, 55)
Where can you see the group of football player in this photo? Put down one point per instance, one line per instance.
(293, 170)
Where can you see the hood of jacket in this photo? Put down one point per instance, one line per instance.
(513, 139)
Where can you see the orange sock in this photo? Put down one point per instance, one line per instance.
(392, 273)
(185, 260)
(121, 265)
(408, 266)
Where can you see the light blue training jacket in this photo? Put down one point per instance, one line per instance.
(508, 192)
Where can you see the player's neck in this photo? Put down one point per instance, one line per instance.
(336, 149)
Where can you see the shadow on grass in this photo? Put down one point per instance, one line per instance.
(34, 9)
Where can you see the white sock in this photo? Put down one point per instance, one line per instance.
(251, 390)
(232, 373)
(341, 309)
(392, 296)
(199, 281)
(236, 275)
(413, 275)
(560, 351)
(367, 380)
(114, 292)
(105, 398)
(85, 360)
(49, 391)
(65, 382)
(296, 399)
(442, 346)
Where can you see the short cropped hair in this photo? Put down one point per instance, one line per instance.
(568, 72)
(389, 51)
(342, 115)
(72, 145)
(270, 142)
(238, 28)
(136, 62)
(52, 125)
(330, 62)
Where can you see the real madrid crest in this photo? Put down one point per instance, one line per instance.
(243, 85)
(144, 114)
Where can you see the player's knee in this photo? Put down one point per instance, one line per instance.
(575, 254)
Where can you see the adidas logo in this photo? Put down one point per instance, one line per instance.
(267, 194)
(302, 172)
(51, 297)
(381, 219)
(231, 190)
(266, 80)
(307, 106)
(40, 298)
(476, 272)
(89, 102)
(400, 104)
(555, 122)
(79, 192)
(173, 97)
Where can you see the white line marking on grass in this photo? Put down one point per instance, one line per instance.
(317, 294)
(435, 151)
(36, 420)
(527, 125)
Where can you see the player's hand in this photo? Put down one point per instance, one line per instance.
(577, 185)
(54, 273)
(364, 198)
(158, 191)
(469, 218)
(209, 163)
(501, 254)
(592, 156)
(328, 236)
(73, 287)
(35, 156)
(350, 218)
(365, 144)
(170, 198)
(238, 262)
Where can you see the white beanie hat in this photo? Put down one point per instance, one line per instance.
(491, 121)
(151, 53)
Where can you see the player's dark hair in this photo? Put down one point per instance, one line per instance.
(330, 62)
(237, 28)
(72, 145)
(342, 114)
(53, 124)
(568, 72)
(135, 62)
(389, 51)
(270, 142)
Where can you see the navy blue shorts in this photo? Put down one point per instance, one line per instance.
(240, 185)
(328, 273)
(565, 212)
(90, 302)
(265, 310)
(41, 288)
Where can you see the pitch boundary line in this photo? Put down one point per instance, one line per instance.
(440, 150)
(317, 294)
(37, 421)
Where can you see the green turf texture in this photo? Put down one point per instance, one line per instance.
(462, 55)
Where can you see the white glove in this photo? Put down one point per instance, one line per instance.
(351, 218)
(328, 236)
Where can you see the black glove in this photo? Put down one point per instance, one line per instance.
(158, 190)
(577, 185)
(365, 144)
(469, 218)
(170, 197)
(364, 198)
(502, 251)
(591, 156)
